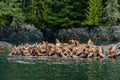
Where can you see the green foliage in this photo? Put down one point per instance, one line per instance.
(10, 15)
(30, 12)
(112, 14)
(66, 13)
(59, 13)
(53, 13)
(36, 12)
(4, 13)
(18, 17)
(42, 12)
(94, 12)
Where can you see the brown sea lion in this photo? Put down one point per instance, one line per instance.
(112, 52)
(90, 42)
(101, 54)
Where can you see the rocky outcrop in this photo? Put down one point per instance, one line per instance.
(24, 34)
(5, 47)
(117, 46)
(100, 36)
(27, 33)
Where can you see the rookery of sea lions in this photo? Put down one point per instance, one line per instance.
(73, 49)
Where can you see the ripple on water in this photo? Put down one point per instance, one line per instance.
(57, 68)
(24, 62)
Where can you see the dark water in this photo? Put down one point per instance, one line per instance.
(58, 69)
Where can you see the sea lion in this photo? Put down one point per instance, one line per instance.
(112, 52)
(101, 54)
(90, 42)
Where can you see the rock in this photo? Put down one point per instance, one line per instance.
(100, 36)
(5, 47)
(106, 47)
(27, 26)
(25, 34)
(50, 35)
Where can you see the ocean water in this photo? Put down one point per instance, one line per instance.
(31, 68)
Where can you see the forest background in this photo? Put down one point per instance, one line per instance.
(60, 13)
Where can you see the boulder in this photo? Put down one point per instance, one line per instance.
(106, 47)
(100, 36)
(5, 47)
(22, 35)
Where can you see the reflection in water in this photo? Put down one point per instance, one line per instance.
(58, 69)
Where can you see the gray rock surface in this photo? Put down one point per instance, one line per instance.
(27, 33)
(5, 47)
(20, 35)
(106, 47)
(100, 36)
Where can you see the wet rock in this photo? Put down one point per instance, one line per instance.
(24, 34)
(5, 47)
(98, 35)
(106, 47)
(27, 33)
(50, 34)
(27, 26)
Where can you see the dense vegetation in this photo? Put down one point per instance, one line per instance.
(59, 13)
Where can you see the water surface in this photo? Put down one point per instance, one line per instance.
(24, 68)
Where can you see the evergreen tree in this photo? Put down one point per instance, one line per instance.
(42, 11)
(10, 14)
(36, 12)
(29, 10)
(94, 12)
(66, 13)
(112, 14)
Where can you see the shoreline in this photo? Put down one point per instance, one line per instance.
(30, 34)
